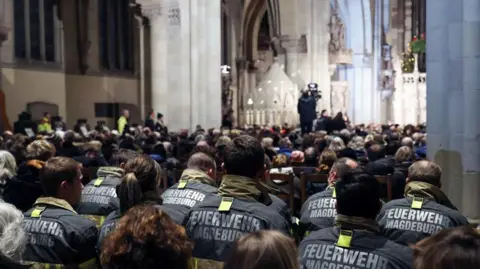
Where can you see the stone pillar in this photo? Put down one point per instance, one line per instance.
(291, 46)
(318, 38)
(158, 51)
(186, 59)
(453, 97)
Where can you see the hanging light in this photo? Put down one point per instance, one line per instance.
(250, 101)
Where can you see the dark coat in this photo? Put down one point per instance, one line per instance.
(306, 107)
(24, 189)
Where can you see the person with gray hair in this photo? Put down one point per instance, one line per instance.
(8, 169)
(424, 211)
(13, 237)
(337, 144)
(407, 141)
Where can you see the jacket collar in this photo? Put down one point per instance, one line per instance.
(54, 202)
(244, 188)
(193, 175)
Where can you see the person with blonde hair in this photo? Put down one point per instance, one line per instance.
(263, 250)
(8, 169)
(25, 188)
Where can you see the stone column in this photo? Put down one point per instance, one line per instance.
(291, 46)
(186, 59)
(453, 97)
(158, 50)
(318, 37)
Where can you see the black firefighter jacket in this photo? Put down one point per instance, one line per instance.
(193, 187)
(318, 211)
(357, 249)
(99, 197)
(240, 208)
(407, 222)
(58, 237)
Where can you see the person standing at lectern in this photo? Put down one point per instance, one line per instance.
(306, 107)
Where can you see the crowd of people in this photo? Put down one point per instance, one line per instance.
(213, 199)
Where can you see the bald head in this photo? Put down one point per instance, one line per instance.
(425, 171)
(202, 143)
(201, 161)
(340, 167)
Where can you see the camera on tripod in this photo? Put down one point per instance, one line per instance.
(313, 89)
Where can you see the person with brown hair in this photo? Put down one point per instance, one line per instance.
(139, 186)
(57, 236)
(242, 205)
(263, 250)
(146, 238)
(326, 161)
(424, 211)
(457, 248)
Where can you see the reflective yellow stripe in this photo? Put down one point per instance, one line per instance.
(58, 266)
(37, 212)
(225, 204)
(92, 263)
(417, 203)
(47, 266)
(98, 182)
(345, 238)
(97, 219)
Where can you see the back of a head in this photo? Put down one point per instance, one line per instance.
(392, 147)
(121, 156)
(358, 194)
(425, 171)
(57, 170)
(407, 141)
(201, 161)
(40, 150)
(146, 238)
(404, 154)
(328, 158)
(243, 156)
(13, 238)
(457, 248)
(8, 166)
(141, 176)
(337, 144)
(263, 250)
(375, 152)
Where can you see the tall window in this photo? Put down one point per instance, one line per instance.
(419, 26)
(34, 24)
(116, 35)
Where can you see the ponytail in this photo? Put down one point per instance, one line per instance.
(129, 192)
